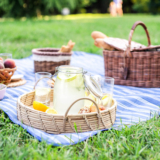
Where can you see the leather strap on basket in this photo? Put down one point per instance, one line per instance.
(65, 116)
(128, 50)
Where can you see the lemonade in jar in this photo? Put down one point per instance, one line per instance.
(69, 86)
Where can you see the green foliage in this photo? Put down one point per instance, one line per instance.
(29, 8)
(57, 5)
(15, 7)
(20, 8)
(154, 6)
(127, 6)
(141, 5)
(146, 6)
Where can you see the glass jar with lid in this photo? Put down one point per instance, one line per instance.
(70, 85)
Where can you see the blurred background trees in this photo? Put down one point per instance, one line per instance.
(29, 8)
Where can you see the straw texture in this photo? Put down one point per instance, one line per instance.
(140, 68)
(45, 65)
(57, 124)
(16, 83)
(6, 74)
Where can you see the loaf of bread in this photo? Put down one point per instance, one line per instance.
(99, 42)
(97, 34)
(68, 48)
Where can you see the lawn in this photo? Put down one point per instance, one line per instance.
(19, 37)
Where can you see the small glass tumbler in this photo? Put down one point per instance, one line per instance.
(107, 85)
(42, 88)
(5, 56)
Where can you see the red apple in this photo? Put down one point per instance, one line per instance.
(9, 63)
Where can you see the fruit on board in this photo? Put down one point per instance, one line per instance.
(84, 110)
(88, 103)
(39, 106)
(9, 63)
(94, 109)
(101, 108)
(1, 65)
(51, 111)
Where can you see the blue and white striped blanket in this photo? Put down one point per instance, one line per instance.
(134, 104)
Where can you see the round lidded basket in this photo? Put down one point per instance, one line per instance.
(53, 123)
(47, 59)
(6, 74)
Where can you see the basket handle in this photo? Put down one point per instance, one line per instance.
(85, 98)
(128, 53)
(40, 80)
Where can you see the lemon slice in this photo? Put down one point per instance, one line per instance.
(86, 93)
(39, 106)
(51, 111)
(78, 82)
(88, 103)
(106, 99)
(66, 77)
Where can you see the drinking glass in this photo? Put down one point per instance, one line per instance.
(42, 89)
(5, 56)
(107, 85)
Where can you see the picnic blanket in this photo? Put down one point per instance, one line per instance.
(134, 104)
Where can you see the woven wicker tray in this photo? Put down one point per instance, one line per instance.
(57, 124)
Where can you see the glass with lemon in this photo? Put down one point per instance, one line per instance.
(107, 85)
(105, 101)
(42, 89)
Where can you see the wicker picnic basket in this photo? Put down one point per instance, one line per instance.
(47, 59)
(134, 66)
(6, 74)
(52, 123)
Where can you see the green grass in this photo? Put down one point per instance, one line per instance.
(141, 141)
(20, 37)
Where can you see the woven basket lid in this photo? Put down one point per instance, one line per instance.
(49, 52)
(122, 44)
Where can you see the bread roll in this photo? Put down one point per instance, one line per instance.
(68, 48)
(97, 34)
(99, 42)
